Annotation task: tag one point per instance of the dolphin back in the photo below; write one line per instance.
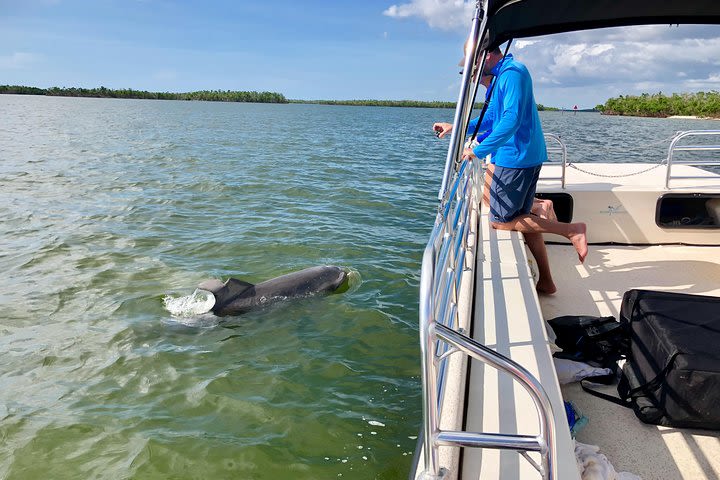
(322, 279)
(236, 296)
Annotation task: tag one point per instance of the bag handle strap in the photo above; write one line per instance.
(655, 381)
(626, 401)
(610, 398)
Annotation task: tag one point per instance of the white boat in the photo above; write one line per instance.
(493, 407)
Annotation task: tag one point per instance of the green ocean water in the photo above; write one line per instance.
(110, 206)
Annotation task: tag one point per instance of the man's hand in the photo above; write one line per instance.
(441, 129)
(468, 154)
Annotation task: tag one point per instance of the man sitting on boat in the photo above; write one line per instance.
(518, 148)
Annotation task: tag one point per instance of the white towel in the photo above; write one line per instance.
(569, 371)
(593, 465)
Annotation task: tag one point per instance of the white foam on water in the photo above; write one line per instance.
(354, 279)
(198, 303)
(192, 310)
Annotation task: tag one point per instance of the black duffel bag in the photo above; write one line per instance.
(672, 374)
(597, 341)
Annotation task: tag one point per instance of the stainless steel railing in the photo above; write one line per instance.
(466, 96)
(676, 147)
(555, 146)
(444, 269)
(444, 263)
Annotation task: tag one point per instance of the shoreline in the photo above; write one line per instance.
(692, 117)
(686, 106)
(228, 96)
(674, 117)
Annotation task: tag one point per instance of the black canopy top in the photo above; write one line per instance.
(528, 18)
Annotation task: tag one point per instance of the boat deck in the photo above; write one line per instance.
(508, 319)
(596, 288)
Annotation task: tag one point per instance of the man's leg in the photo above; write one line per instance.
(536, 245)
(575, 232)
(489, 171)
(543, 207)
(511, 201)
(534, 241)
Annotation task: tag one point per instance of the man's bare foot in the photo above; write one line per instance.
(545, 287)
(579, 240)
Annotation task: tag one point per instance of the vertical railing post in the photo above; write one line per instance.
(427, 349)
(558, 144)
(564, 163)
(671, 151)
(462, 110)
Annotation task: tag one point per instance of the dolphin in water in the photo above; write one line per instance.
(234, 296)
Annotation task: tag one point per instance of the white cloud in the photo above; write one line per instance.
(441, 14)
(648, 86)
(711, 82)
(589, 67)
(520, 44)
(17, 60)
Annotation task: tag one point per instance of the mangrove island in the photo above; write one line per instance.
(701, 104)
(102, 92)
(219, 96)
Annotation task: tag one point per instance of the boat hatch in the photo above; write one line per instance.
(688, 210)
(562, 204)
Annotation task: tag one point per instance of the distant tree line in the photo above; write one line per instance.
(219, 96)
(701, 104)
(380, 103)
(543, 108)
(396, 103)
(102, 92)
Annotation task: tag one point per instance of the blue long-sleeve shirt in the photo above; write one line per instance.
(516, 140)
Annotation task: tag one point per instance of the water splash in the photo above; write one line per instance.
(198, 303)
(352, 282)
(191, 310)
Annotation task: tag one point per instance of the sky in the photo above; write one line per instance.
(331, 49)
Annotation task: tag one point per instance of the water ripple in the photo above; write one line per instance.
(109, 206)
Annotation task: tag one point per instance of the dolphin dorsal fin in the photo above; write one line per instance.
(213, 285)
(236, 287)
